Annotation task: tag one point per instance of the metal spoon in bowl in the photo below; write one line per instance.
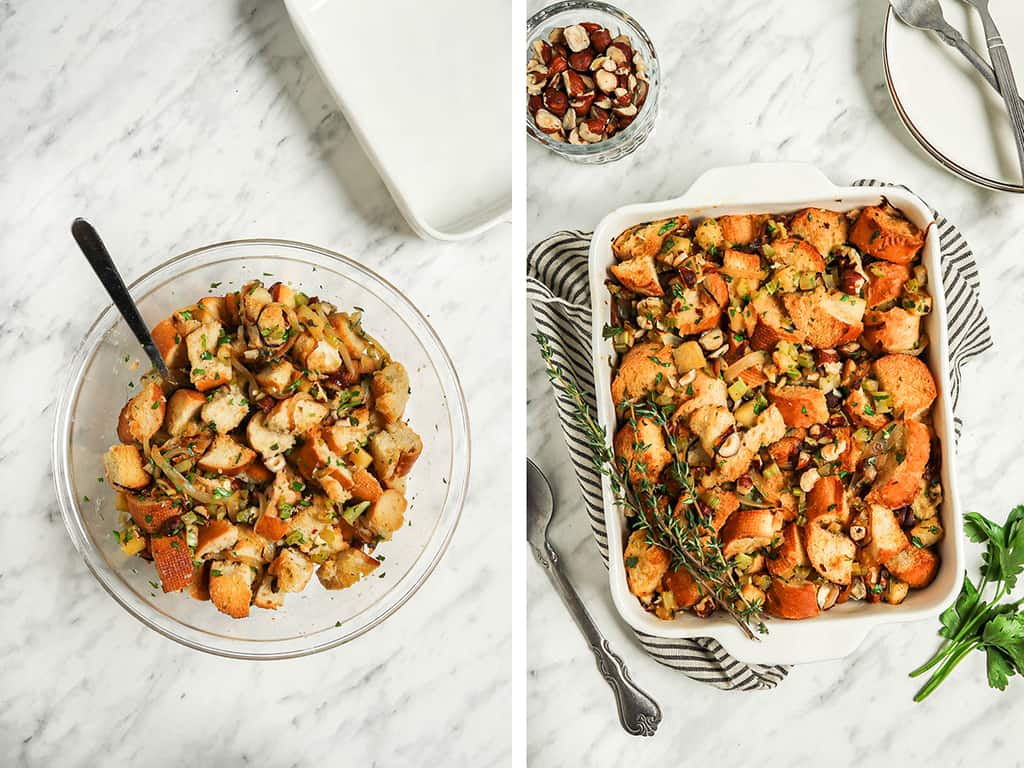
(638, 712)
(96, 254)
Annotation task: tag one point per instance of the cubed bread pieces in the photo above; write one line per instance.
(885, 282)
(915, 566)
(170, 343)
(231, 587)
(741, 229)
(250, 548)
(827, 502)
(685, 591)
(796, 599)
(268, 596)
(390, 388)
(800, 406)
(822, 229)
(142, 416)
(831, 553)
(646, 565)
(790, 552)
(214, 537)
(720, 502)
(183, 409)
(900, 469)
(740, 264)
(125, 468)
(885, 233)
(825, 320)
(385, 515)
(292, 569)
(860, 408)
(710, 424)
(226, 408)
(274, 378)
(345, 568)
(639, 275)
(394, 450)
(887, 538)
(297, 415)
(909, 383)
(268, 442)
(642, 367)
(893, 331)
(645, 240)
(749, 529)
(173, 561)
(226, 456)
(926, 532)
(771, 325)
(150, 513)
(642, 450)
(349, 432)
(365, 486)
(694, 310)
(799, 254)
(210, 360)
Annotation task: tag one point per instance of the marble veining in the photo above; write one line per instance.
(752, 81)
(173, 125)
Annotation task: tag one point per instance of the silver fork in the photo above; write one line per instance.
(638, 712)
(1004, 75)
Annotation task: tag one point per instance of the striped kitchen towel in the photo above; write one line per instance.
(558, 290)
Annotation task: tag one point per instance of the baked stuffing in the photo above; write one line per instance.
(770, 392)
(287, 455)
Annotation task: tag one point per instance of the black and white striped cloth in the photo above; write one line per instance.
(558, 290)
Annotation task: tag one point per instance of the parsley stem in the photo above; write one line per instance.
(944, 671)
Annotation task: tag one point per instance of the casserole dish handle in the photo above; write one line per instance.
(770, 181)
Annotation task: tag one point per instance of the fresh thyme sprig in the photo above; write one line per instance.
(687, 541)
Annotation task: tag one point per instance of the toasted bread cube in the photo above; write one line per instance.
(800, 406)
(645, 239)
(210, 360)
(901, 469)
(151, 513)
(313, 455)
(640, 370)
(170, 343)
(885, 233)
(638, 275)
(283, 294)
(749, 530)
(199, 589)
(349, 432)
(642, 450)
(770, 324)
(253, 298)
(298, 414)
(896, 591)
(825, 320)
(702, 391)
(226, 457)
(885, 282)
(770, 427)
(927, 532)
(827, 503)
(390, 388)
(142, 416)
(795, 599)
(292, 569)
(267, 595)
(271, 527)
(273, 325)
(394, 451)
(646, 565)
(173, 561)
(860, 407)
(345, 568)
(741, 229)
(275, 378)
(710, 424)
(385, 515)
(740, 264)
(216, 307)
(914, 565)
(125, 467)
(798, 254)
(183, 410)
(684, 589)
(251, 548)
(822, 229)
(323, 358)
(226, 409)
(215, 537)
(709, 235)
(909, 382)
(887, 538)
(268, 442)
(231, 587)
(831, 553)
(790, 552)
(694, 311)
(892, 331)
(721, 502)
(365, 486)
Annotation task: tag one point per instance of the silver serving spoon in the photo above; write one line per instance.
(638, 712)
(96, 254)
(927, 15)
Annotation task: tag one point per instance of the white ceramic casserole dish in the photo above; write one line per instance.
(782, 188)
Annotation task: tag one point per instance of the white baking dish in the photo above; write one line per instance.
(782, 188)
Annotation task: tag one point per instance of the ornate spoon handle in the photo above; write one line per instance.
(638, 712)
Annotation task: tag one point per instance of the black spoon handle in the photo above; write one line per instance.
(96, 254)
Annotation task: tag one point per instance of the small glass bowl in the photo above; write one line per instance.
(617, 22)
(316, 619)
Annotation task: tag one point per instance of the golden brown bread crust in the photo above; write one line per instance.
(639, 275)
(182, 413)
(825, 320)
(901, 469)
(770, 325)
(789, 554)
(885, 282)
(646, 565)
(684, 589)
(740, 264)
(885, 233)
(346, 568)
(831, 553)
(216, 536)
(827, 503)
(887, 538)
(125, 467)
(821, 228)
(795, 599)
(151, 513)
(800, 406)
(170, 343)
(390, 387)
(915, 566)
(231, 587)
(909, 383)
(173, 561)
(645, 240)
(741, 229)
(749, 529)
(643, 450)
(227, 456)
(798, 254)
(860, 408)
(639, 371)
(893, 331)
(142, 416)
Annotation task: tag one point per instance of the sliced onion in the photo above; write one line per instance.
(749, 360)
(182, 483)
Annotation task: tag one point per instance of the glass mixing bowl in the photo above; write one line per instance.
(315, 619)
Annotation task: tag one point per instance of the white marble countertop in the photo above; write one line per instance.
(173, 125)
(751, 81)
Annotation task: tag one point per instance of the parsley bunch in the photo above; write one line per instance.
(972, 623)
